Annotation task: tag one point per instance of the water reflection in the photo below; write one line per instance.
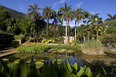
(71, 60)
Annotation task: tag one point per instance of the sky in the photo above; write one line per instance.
(103, 7)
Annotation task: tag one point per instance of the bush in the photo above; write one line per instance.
(75, 48)
(74, 42)
(19, 37)
(33, 48)
(14, 43)
(92, 47)
(108, 40)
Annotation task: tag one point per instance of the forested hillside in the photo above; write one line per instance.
(13, 13)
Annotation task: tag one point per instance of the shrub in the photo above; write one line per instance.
(19, 37)
(108, 40)
(33, 48)
(74, 42)
(14, 43)
(75, 48)
(92, 47)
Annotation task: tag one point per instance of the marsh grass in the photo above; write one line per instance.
(92, 47)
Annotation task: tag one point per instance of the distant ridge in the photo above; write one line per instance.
(14, 13)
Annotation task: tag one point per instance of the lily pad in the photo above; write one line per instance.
(70, 51)
(28, 61)
(58, 60)
(5, 59)
(11, 64)
(62, 50)
(39, 64)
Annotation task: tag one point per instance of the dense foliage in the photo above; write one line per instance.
(33, 48)
(22, 69)
(13, 13)
(44, 48)
(34, 25)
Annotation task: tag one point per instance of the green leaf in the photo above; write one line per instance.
(80, 72)
(68, 66)
(73, 75)
(75, 66)
(6, 68)
(22, 69)
(88, 72)
(98, 75)
(104, 71)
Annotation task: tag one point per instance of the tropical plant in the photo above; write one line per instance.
(34, 15)
(111, 17)
(22, 69)
(47, 13)
(92, 47)
(66, 11)
(33, 48)
(79, 15)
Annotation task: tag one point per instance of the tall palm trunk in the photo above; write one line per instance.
(68, 30)
(75, 30)
(97, 35)
(78, 29)
(66, 33)
(88, 35)
(54, 32)
(47, 27)
(37, 33)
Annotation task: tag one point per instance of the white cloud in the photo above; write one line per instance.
(79, 4)
(59, 2)
(92, 12)
(95, 12)
(21, 7)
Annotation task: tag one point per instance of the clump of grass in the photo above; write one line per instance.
(92, 47)
(33, 48)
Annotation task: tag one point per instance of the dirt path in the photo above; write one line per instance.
(7, 52)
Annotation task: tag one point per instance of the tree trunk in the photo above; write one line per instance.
(37, 33)
(34, 33)
(68, 30)
(54, 32)
(88, 35)
(66, 33)
(97, 35)
(84, 38)
(75, 30)
(78, 29)
(47, 27)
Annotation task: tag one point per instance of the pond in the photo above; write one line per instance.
(94, 62)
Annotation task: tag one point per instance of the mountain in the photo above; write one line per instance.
(14, 13)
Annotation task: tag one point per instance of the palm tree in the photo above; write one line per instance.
(74, 16)
(55, 22)
(34, 15)
(79, 14)
(93, 21)
(87, 16)
(111, 17)
(66, 11)
(47, 13)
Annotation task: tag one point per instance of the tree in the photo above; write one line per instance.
(66, 10)
(34, 15)
(47, 13)
(111, 17)
(4, 15)
(79, 14)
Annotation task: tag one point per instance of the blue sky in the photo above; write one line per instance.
(93, 6)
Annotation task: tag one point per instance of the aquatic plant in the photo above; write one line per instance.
(22, 69)
(92, 47)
